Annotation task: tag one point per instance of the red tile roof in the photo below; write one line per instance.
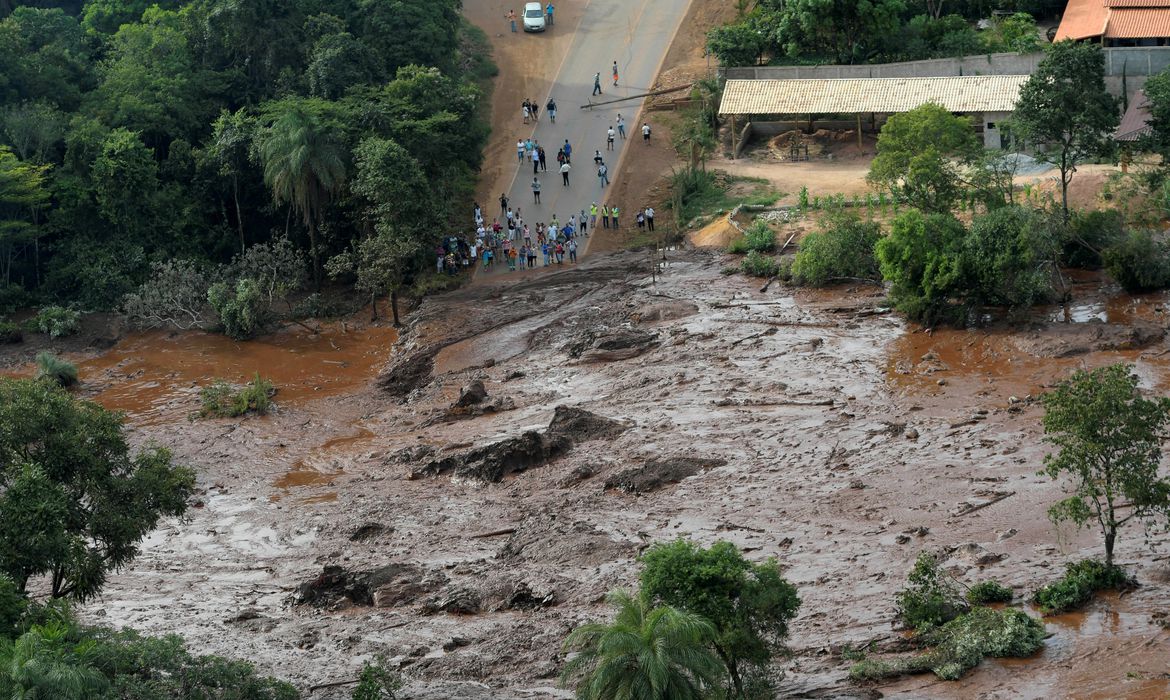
(1115, 19)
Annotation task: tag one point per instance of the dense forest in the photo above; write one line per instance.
(143, 141)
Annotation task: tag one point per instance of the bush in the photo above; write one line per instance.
(959, 645)
(1089, 234)
(986, 592)
(240, 309)
(844, 247)
(931, 599)
(12, 297)
(10, 333)
(54, 369)
(1006, 255)
(175, 295)
(760, 237)
(57, 321)
(222, 400)
(1138, 262)
(377, 682)
(1080, 581)
(758, 265)
(923, 260)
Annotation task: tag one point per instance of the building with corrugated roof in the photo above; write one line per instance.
(1117, 23)
(989, 99)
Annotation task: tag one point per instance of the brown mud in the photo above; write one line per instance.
(809, 426)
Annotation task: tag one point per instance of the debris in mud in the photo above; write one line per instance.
(665, 311)
(491, 463)
(409, 372)
(458, 601)
(550, 541)
(474, 393)
(621, 344)
(1072, 339)
(388, 586)
(972, 554)
(521, 596)
(656, 473)
(473, 401)
(369, 530)
(578, 475)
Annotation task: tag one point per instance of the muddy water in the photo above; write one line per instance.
(155, 376)
(319, 468)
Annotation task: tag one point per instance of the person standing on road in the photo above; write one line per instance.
(540, 159)
(640, 219)
(650, 218)
(609, 139)
(565, 174)
(603, 174)
(597, 83)
(597, 159)
(605, 216)
(568, 152)
(551, 108)
(593, 215)
(615, 74)
(536, 191)
(504, 197)
(572, 251)
(520, 150)
(621, 125)
(613, 214)
(511, 17)
(548, 10)
(584, 224)
(535, 110)
(646, 133)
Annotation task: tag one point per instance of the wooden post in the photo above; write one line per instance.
(859, 131)
(734, 150)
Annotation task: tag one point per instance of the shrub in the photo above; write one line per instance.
(1080, 581)
(986, 592)
(1138, 262)
(923, 260)
(240, 308)
(175, 295)
(12, 297)
(760, 237)
(844, 247)
(1006, 255)
(961, 644)
(10, 333)
(1088, 234)
(54, 369)
(931, 599)
(57, 321)
(376, 682)
(222, 400)
(758, 265)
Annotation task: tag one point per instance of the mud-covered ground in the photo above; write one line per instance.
(463, 534)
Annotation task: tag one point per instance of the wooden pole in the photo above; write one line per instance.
(859, 131)
(734, 150)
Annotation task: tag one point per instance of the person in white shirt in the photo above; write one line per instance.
(565, 174)
(646, 133)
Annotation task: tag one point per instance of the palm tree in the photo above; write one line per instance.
(303, 167)
(45, 663)
(644, 654)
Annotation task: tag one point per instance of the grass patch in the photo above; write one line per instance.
(223, 400)
(697, 192)
(986, 592)
(54, 369)
(1080, 581)
(757, 237)
(435, 283)
(959, 645)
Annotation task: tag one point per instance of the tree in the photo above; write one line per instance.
(1157, 89)
(749, 604)
(125, 174)
(923, 157)
(739, 44)
(841, 250)
(644, 654)
(922, 258)
(45, 663)
(228, 149)
(847, 30)
(1065, 111)
(1109, 443)
(74, 503)
(303, 166)
(1009, 258)
(22, 191)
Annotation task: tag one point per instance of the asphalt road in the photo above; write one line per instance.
(636, 34)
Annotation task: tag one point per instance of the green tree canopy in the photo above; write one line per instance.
(1064, 110)
(749, 604)
(1108, 439)
(922, 258)
(644, 654)
(924, 155)
(74, 502)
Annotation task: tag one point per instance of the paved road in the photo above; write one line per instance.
(636, 34)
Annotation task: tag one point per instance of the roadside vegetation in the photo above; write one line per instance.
(210, 182)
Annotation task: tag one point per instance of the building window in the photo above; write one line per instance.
(990, 125)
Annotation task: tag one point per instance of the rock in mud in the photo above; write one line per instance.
(367, 531)
(409, 372)
(974, 554)
(474, 393)
(458, 601)
(656, 473)
(665, 311)
(1072, 339)
(387, 586)
(619, 344)
(491, 463)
